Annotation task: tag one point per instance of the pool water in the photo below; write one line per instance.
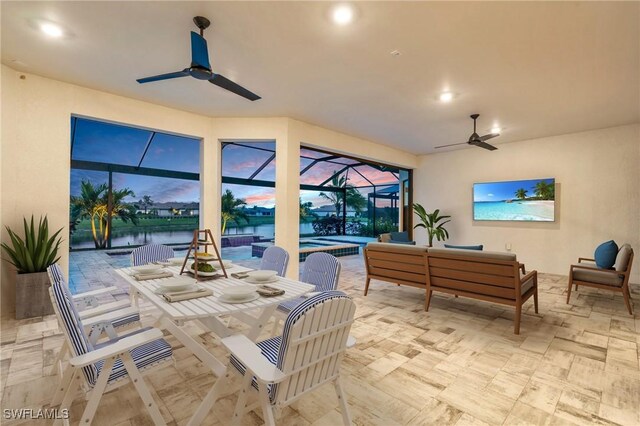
(310, 245)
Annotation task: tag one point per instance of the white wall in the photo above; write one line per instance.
(35, 154)
(597, 195)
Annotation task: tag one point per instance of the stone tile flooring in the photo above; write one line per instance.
(458, 364)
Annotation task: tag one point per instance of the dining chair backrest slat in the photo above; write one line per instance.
(275, 259)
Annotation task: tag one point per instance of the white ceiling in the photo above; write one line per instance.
(536, 68)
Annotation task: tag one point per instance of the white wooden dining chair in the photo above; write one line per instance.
(96, 370)
(306, 356)
(320, 269)
(151, 253)
(276, 259)
(99, 319)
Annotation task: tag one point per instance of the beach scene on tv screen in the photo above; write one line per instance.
(524, 200)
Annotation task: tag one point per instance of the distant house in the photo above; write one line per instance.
(260, 211)
(330, 210)
(172, 209)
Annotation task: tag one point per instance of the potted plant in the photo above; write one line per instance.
(31, 257)
(432, 222)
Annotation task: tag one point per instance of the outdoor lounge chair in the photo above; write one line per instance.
(100, 369)
(275, 259)
(321, 270)
(98, 319)
(586, 273)
(306, 356)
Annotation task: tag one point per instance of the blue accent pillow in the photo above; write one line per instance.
(605, 254)
(400, 236)
(478, 247)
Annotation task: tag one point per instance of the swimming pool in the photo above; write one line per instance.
(312, 246)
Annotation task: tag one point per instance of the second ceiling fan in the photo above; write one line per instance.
(475, 139)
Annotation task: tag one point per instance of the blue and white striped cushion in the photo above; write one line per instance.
(143, 356)
(70, 320)
(274, 349)
(151, 253)
(288, 306)
(321, 270)
(269, 349)
(126, 320)
(275, 259)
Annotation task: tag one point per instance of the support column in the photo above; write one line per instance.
(210, 185)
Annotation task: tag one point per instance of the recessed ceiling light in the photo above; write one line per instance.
(342, 14)
(446, 97)
(52, 30)
(496, 129)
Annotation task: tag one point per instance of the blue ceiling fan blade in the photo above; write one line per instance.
(225, 83)
(199, 52)
(177, 74)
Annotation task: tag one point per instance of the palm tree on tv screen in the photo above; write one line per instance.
(232, 209)
(92, 204)
(544, 190)
(521, 194)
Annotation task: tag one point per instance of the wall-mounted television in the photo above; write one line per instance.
(531, 200)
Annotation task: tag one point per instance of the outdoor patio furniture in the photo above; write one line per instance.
(98, 319)
(97, 370)
(586, 273)
(396, 238)
(306, 356)
(483, 275)
(320, 269)
(208, 312)
(151, 253)
(275, 259)
(395, 263)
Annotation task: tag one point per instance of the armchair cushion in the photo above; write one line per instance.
(596, 276)
(605, 254)
(622, 259)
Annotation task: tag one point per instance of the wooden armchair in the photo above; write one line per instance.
(586, 273)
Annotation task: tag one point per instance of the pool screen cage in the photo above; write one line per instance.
(371, 190)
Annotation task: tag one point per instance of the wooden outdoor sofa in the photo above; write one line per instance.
(490, 276)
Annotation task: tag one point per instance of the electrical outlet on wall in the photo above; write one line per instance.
(507, 246)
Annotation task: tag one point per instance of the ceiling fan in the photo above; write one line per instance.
(201, 68)
(475, 139)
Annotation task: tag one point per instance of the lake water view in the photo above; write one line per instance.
(82, 239)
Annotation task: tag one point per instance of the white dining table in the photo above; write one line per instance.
(207, 311)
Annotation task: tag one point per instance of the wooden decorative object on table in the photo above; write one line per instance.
(196, 244)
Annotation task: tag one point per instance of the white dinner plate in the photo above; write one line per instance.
(224, 299)
(146, 269)
(251, 280)
(163, 290)
(176, 283)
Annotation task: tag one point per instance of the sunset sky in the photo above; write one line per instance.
(102, 142)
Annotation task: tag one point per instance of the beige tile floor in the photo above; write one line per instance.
(458, 364)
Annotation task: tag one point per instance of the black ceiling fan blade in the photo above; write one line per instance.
(484, 145)
(199, 52)
(489, 136)
(451, 144)
(168, 76)
(225, 83)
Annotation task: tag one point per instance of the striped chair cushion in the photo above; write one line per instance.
(126, 320)
(143, 356)
(274, 350)
(151, 253)
(321, 270)
(275, 259)
(269, 349)
(288, 306)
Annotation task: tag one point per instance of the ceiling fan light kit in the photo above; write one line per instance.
(475, 139)
(200, 66)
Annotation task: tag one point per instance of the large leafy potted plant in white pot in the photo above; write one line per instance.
(32, 256)
(433, 223)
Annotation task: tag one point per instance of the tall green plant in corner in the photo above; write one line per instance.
(432, 222)
(37, 251)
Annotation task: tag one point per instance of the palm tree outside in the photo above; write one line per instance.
(232, 209)
(93, 204)
(145, 202)
(354, 198)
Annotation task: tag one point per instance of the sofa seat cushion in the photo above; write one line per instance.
(596, 276)
(526, 286)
